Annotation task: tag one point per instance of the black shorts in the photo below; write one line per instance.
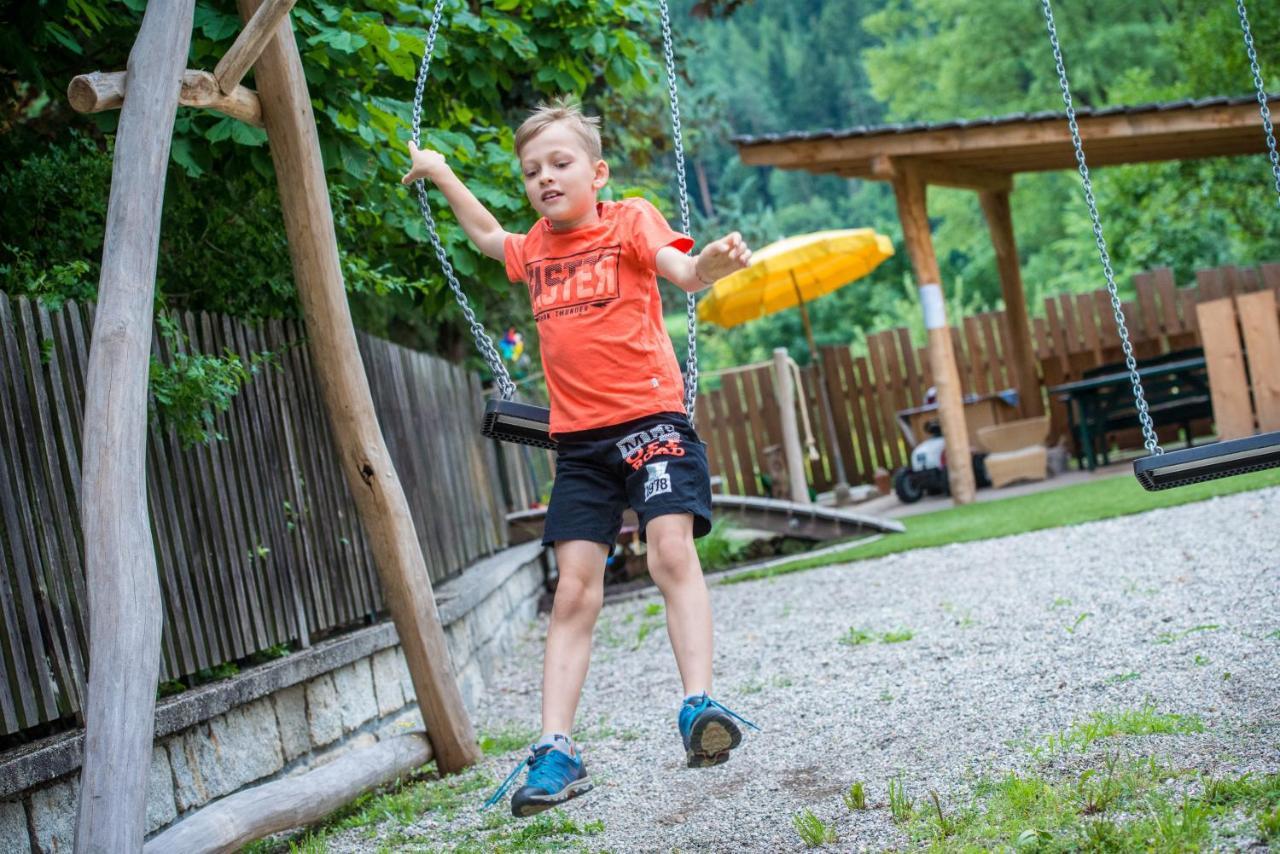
(657, 464)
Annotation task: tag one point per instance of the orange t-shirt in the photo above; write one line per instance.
(605, 350)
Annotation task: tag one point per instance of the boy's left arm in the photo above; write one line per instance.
(698, 272)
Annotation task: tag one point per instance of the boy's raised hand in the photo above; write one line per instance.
(425, 164)
(722, 257)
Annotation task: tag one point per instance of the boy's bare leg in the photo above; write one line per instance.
(579, 595)
(674, 567)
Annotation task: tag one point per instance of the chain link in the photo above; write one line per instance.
(1262, 94)
(483, 342)
(673, 94)
(1148, 429)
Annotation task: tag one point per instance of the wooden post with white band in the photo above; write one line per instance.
(910, 192)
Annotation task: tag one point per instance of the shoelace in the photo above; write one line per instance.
(707, 701)
(506, 784)
(539, 772)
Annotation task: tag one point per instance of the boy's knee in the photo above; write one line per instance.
(573, 596)
(671, 555)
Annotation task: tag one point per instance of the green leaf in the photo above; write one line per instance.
(182, 153)
(214, 24)
(247, 134)
(340, 40)
(221, 130)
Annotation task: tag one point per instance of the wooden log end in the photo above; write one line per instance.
(96, 91)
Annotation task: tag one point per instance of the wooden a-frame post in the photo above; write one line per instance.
(124, 595)
(380, 499)
(120, 560)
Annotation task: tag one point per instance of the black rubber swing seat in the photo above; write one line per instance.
(522, 423)
(1208, 462)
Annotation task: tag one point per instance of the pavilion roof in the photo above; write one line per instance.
(978, 152)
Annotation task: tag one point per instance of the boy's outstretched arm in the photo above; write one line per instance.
(695, 273)
(480, 225)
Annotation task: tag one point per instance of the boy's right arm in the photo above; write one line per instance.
(480, 225)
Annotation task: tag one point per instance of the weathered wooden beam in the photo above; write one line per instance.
(1042, 144)
(363, 456)
(120, 560)
(909, 190)
(252, 814)
(246, 49)
(105, 90)
(1022, 355)
(200, 89)
(885, 168)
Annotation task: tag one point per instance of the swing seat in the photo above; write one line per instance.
(522, 423)
(1208, 462)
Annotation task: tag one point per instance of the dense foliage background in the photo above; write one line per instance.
(748, 67)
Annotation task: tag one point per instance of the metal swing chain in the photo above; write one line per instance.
(483, 342)
(691, 371)
(1148, 429)
(1262, 94)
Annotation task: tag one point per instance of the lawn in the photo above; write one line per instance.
(1071, 505)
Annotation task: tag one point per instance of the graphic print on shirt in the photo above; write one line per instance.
(559, 287)
(659, 440)
(658, 480)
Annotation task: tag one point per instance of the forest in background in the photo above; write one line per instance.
(802, 65)
(748, 67)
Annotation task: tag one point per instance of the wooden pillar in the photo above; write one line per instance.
(1022, 355)
(125, 618)
(785, 391)
(910, 192)
(380, 500)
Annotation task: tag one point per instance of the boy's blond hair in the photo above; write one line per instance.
(563, 109)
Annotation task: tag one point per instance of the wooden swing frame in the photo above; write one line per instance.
(124, 595)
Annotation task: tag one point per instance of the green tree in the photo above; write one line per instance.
(223, 246)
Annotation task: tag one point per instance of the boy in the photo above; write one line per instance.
(617, 412)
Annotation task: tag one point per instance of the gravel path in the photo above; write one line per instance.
(1013, 640)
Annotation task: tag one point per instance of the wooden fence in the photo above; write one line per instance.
(1077, 332)
(1242, 354)
(257, 538)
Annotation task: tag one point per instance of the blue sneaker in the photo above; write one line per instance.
(555, 777)
(709, 731)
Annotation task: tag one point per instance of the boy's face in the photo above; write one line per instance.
(560, 177)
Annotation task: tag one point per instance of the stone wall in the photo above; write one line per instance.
(283, 718)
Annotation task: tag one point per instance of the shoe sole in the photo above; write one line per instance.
(712, 738)
(537, 804)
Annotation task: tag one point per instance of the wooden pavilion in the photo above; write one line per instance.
(983, 155)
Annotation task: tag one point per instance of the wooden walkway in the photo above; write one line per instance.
(787, 518)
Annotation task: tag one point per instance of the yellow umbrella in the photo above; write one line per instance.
(790, 273)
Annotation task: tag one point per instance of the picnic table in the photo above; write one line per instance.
(1176, 390)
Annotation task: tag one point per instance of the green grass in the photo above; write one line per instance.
(1145, 720)
(812, 830)
(718, 549)
(505, 741)
(1174, 637)
(1071, 629)
(1130, 805)
(389, 817)
(901, 806)
(856, 637)
(1122, 677)
(1070, 505)
(856, 797)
